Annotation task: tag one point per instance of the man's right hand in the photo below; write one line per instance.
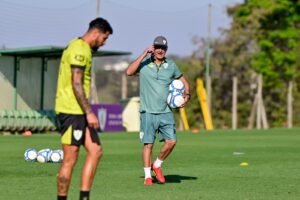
(149, 50)
(132, 68)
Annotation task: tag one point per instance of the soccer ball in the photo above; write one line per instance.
(43, 155)
(176, 86)
(56, 156)
(30, 154)
(175, 100)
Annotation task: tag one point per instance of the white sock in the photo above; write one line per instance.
(158, 163)
(147, 171)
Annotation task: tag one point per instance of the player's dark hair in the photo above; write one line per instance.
(101, 24)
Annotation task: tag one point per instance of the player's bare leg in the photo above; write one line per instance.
(147, 154)
(164, 153)
(166, 149)
(66, 169)
(94, 153)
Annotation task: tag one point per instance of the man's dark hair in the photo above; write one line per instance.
(101, 24)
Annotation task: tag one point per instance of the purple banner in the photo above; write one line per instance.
(109, 116)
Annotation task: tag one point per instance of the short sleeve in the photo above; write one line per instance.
(78, 56)
(177, 72)
(144, 63)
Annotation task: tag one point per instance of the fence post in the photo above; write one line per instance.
(234, 102)
(290, 105)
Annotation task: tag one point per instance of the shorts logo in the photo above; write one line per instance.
(141, 135)
(102, 112)
(77, 134)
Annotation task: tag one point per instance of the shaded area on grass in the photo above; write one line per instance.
(174, 178)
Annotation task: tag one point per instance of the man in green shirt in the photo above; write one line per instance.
(156, 73)
(78, 124)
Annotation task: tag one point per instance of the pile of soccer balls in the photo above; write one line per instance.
(44, 155)
(175, 98)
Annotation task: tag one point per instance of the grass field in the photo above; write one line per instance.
(204, 165)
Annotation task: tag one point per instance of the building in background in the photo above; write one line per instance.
(28, 78)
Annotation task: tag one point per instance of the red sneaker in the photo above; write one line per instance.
(159, 175)
(148, 181)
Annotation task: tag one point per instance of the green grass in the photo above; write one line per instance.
(202, 166)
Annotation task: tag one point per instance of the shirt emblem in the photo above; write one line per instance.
(79, 58)
(165, 65)
(151, 65)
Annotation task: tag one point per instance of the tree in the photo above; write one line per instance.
(277, 36)
(262, 39)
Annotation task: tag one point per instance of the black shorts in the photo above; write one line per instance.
(72, 129)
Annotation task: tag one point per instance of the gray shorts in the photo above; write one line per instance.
(163, 124)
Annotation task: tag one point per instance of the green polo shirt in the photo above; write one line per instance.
(154, 84)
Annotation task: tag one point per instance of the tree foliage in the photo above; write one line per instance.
(264, 38)
(276, 36)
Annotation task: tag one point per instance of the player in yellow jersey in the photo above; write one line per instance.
(78, 123)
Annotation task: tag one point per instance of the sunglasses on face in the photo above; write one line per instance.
(160, 47)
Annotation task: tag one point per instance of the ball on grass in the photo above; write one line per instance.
(30, 154)
(43, 155)
(56, 156)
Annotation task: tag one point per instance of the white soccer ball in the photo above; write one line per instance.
(175, 100)
(30, 154)
(176, 86)
(43, 155)
(56, 156)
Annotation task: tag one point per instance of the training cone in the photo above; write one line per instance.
(27, 133)
(244, 164)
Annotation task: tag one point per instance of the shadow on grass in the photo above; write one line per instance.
(172, 178)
